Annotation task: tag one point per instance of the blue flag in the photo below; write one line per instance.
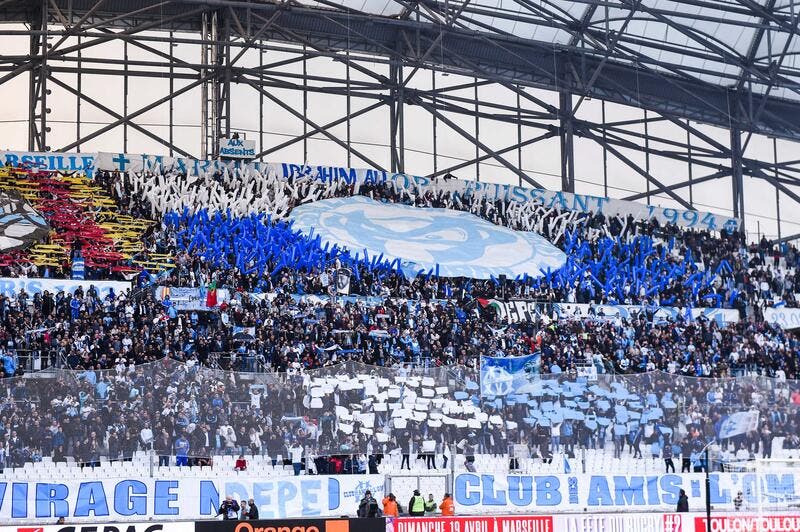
(738, 423)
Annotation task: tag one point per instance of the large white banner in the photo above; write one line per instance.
(359, 176)
(786, 318)
(722, 316)
(516, 310)
(10, 286)
(497, 493)
(145, 499)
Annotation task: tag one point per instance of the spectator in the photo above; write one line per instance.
(737, 501)
(390, 506)
(241, 464)
(296, 454)
(229, 509)
(683, 502)
(243, 510)
(447, 507)
(182, 451)
(162, 447)
(667, 454)
(252, 510)
(368, 507)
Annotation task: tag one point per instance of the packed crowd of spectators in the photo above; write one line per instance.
(89, 331)
(122, 399)
(188, 414)
(441, 325)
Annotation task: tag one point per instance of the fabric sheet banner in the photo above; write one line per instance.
(503, 376)
(578, 310)
(189, 298)
(738, 423)
(494, 493)
(183, 498)
(786, 318)
(516, 310)
(446, 242)
(9, 286)
(359, 176)
(519, 310)
(63, 162)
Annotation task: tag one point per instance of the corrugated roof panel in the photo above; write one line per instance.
(510, 17)
(707, 40)
(383, 8)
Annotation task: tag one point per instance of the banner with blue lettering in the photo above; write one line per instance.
(497, 493)
(502, 376)
(786, 318)
(10, 286)
(182, 498)
(63, 162)
(359, 176)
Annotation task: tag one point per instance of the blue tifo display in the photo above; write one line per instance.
(451, 243)
(384, 239)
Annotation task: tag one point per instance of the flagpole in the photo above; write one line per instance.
(708, 490)
(708, 484)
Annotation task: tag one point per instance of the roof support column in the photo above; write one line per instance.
(37, 85)
(223, 126)
(567, 143)
(737, 172)
(396, 121)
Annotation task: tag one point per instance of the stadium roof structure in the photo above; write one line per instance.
(733, 64)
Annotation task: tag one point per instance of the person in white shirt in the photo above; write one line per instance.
(296, 454)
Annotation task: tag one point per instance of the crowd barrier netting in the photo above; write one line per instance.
(351, 408)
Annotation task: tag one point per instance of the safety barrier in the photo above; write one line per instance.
(652, 522)
(185, 498)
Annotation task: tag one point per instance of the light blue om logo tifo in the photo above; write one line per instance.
(460, 243)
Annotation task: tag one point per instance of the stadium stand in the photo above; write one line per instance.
(388, 377)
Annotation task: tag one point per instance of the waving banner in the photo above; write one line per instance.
(502, 376)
